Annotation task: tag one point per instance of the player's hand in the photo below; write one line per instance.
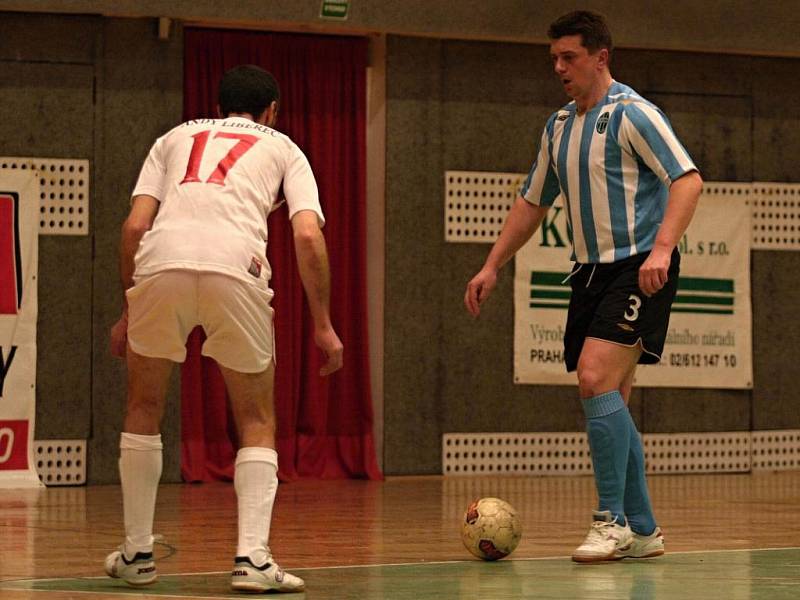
(326, 340)
(478, 289)
(119, 336)
(653, 272)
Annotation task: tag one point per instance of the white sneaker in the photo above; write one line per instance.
(605, 539)
(139, 570)
(246, 577)
(644, 546)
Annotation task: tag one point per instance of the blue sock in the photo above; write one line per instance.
(637, 501)
(608, 428)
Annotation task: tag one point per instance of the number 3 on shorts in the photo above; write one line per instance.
(633, 310)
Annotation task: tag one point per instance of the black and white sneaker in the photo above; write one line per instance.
(139, 570)
(246, 577)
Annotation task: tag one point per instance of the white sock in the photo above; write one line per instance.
(256, 481)
(139, 471)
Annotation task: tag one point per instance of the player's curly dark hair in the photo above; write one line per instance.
(590, 25)
(247, 89)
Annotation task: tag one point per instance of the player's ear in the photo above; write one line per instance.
(602, 57)
(272, 113)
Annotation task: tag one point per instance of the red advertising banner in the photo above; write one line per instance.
(13, 445)
(19, 262)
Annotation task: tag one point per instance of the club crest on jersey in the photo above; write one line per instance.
(602, 123)
(255, 267)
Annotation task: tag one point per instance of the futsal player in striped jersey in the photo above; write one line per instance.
(630, 190)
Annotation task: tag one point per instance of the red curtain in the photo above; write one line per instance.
(324, 424)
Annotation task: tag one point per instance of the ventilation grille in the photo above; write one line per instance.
(476, 204)
(776, 216)
(515, 453)
(777, 450)
(568, 453)
(725, 452)
(63, 192)
(60, 462)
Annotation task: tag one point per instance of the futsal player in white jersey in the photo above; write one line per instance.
(630, 190)
(193, 252)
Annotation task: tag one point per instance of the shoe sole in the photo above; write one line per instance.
(140, 583)
(653, 554)
(257, 588)
(134, 582)
(608, 557)
(593, 559)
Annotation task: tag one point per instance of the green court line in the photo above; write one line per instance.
(722, 575)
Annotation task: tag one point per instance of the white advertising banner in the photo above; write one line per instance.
(709, 341)
(19, 237)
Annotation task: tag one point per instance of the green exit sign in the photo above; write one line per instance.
(334, 9)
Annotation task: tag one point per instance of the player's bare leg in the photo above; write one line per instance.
(256, 482)
(140, 467)
(626, 386)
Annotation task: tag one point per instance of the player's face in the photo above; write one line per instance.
(578, 70)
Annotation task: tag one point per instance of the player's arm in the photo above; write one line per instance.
(140, 219)
(684, 193)
(647, 132)
(312, 262)
(521, 223)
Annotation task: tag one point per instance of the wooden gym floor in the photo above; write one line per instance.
(728, 537)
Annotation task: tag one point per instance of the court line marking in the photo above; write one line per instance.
(129, 591)
(366, 566)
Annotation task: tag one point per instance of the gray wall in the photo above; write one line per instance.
(103, 88)
(481, 106)
(99, 89)
(737, 27)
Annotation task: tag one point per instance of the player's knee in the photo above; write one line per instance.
(591, 379)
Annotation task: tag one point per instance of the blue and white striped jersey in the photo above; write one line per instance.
(613, 165)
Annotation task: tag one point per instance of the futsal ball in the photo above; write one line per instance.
(491, 528)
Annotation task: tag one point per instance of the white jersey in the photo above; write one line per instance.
(217, 180)
(613, 165)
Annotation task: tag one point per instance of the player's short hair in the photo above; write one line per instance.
(247, 89)
(590, 25)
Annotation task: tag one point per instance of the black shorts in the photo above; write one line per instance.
(606, 303)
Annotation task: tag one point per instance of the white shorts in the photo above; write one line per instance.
(164, 308)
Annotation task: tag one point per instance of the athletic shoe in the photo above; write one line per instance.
(139, 570)
(606, 538)
(246, 577)
(644, 546)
